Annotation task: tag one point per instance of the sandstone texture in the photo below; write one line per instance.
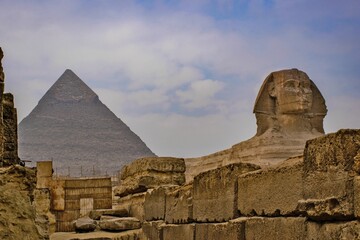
(271, 192)
(329, 169)
(96, 214)
(17, 212)
(8, 124)
(119, 224)
(84, 224)
(179, 204)
(215, 192)
(146, 173)
(74, 128)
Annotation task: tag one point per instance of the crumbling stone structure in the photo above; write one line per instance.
(8, 124)
(314, 196)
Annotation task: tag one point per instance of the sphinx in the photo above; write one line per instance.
(289, 110)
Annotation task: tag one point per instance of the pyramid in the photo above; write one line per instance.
(72, 127)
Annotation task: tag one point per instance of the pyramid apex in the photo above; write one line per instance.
(69, 88)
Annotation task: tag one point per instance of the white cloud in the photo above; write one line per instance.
(144, 61)
(200, 94)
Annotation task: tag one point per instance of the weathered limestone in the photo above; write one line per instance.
(120, 224)
(333, 231)
(179, 206)
(153, 230)
(146, 173)
(44, 174)
(98, 213)
(357, 197)
(330, 163)
(155, 203)
(214, 231)
(272, 192)
(289, 228)
(134, 204)
(84, 224)
(215, 192)
(45, 220)
(8, 124)
(182, 231)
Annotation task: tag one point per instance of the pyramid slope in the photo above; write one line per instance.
(71, 126)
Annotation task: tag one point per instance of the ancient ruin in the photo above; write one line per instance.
(8, 124)
(313, 193)
(72, 127)
(289, 110)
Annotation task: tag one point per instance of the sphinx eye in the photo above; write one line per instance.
(290, 84)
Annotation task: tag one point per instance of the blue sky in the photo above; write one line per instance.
(184, 75)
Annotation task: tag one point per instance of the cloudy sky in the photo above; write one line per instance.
(184, 75)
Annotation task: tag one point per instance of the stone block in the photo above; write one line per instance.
(333, 230)
(216, 231)
(179, 207)
(146, 173)
(120, 212)
(272, 192)
(157, 164)
(154, 205)
(182, 231)
(57, 192)
(120, 224)
(43, 174)
(336, 150)
(84, 224)
(330, 164)
(285, 228)
(153, 230)
(215, 192)
(134, 204)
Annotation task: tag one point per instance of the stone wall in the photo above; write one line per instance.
(8, 124)
(60, 201)
(314, 196)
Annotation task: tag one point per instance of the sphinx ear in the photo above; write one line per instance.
(271, 89)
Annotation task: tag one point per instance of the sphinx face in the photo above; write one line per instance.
(293, 96)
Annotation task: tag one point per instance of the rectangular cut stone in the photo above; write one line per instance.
(271, 192)
(57, 192)
(146, 173)
(154, 205)
(179, 207)
(134, 204)
(333, 231)
(182, 231)
(153, 230)
(340, 150)
(330, 162)
(217, 231)
(43, 174)
(158, 164)
(284, 228)
(215, 192)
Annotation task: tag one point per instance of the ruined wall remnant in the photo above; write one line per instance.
(315, 196)
(8, 124)
(289, 110)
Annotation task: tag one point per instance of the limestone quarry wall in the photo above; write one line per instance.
(314, 196)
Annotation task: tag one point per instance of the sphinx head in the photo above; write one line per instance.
(288, 100)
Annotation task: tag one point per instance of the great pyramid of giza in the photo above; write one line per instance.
(72, 127)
